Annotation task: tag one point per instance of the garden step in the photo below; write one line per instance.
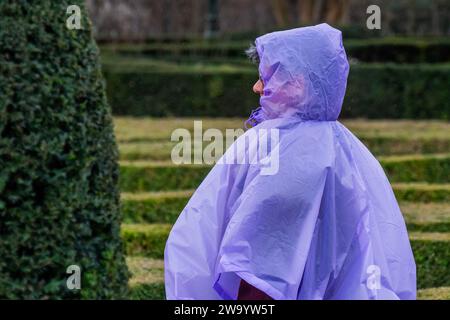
(163, 176)
(164, 207)
(147, 281)
(160, 150)
(148, 129)
(145, 270)
(439, 293)
(422, 192)
(431, 250)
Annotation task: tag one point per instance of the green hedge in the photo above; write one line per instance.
(166, 208)
(59, 196)
(398, 146)
(429, 227)
(156, 291)
(396, 50)
(433, 262)
(394, 91)
(161, 150)
(148, 291)
(431, 252)
(433, 169)
(138, 87)
(180, 94)
(424, 193)
(161, 210)
(161, 178)
(406, 51)
(148, 177)
(145, 240)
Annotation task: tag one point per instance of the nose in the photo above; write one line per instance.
(258, 87)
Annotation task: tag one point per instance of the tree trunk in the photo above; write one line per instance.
(281, 12)
(305, 11)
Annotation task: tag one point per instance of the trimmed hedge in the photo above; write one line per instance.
(152, 287)
(429, 227)
(422, 192)
(161, 178)
(433, 169)
(148, 291)
(432, 253)
(161, 210)
(59, 196)
(156, 291)
(180, 94)
(433, 262)
(147, 176)
(394, 91)
(145, 240)
(397, 146)
(399, 51)
(160, 150)
(396, 50)
(166, 209)
(374, 91)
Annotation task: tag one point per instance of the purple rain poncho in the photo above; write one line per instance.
(325, 226)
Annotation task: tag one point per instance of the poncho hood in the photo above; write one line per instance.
(304, 71)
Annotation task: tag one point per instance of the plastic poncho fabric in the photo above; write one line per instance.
(326, 225)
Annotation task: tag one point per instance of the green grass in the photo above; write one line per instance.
(147, 278)
(164, 207)
(440, 293)
(155, 291)
(135, 129)
(431, 250)
(146, 176)
(422, 192)
(413, 153)
(149, 139)
(161, 150)
(145, 270)
(147, 281)
(426, 217)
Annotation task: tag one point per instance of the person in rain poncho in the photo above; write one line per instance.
(325, 225)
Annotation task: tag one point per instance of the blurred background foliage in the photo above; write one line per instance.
(143, 20)
(186, 57)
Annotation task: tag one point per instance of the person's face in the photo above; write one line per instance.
(258, 87)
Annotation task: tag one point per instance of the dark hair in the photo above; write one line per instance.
(252, 54)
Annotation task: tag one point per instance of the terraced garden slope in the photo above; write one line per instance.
(414, 154)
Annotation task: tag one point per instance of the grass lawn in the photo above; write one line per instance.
(415, 154)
